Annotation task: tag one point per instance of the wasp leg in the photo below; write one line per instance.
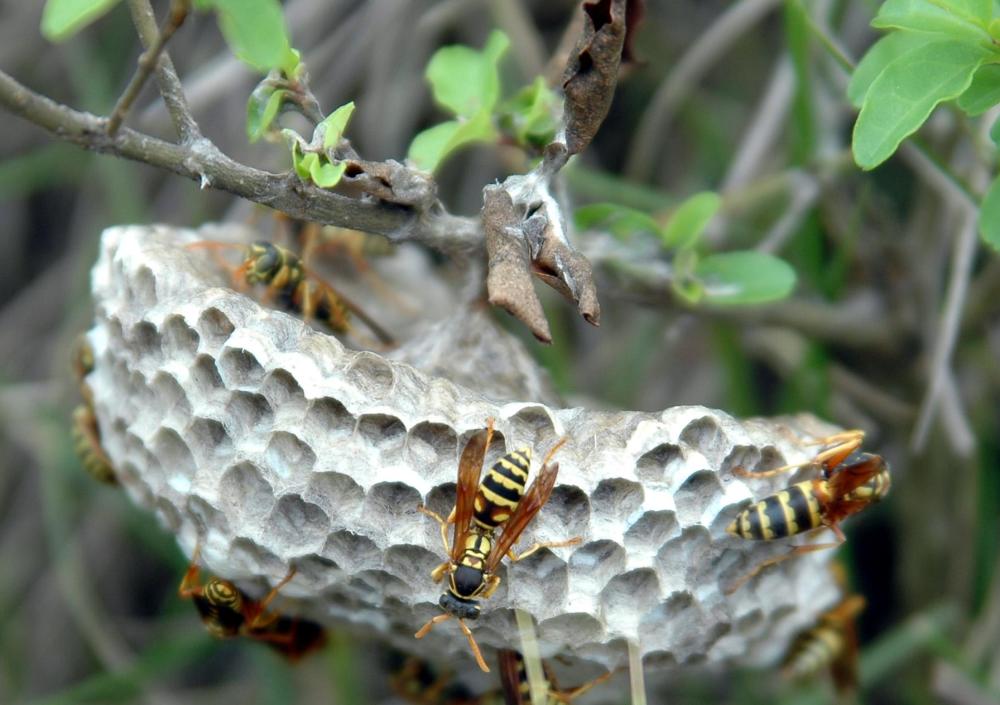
(552, 451)
(514, 557)
(259, 621)
(422, 632)
(444, 525)
(565, 696)
(492, 583)
(841, 445)
(437, 575)
(475, 647)
(796, 551)
(741, 471)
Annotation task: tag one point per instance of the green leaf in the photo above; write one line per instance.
(880, 55)
(467, 81)
(683, 282)
(989, 216)
(995, 132)
(255, 32)
(530, 115)
(262, 108)
(984, 91)
(430, 147)
(905, 93)
(326, 174)
(61, 19)
(689, 220)
(745, 277)
(334, 124)
(621, 221)
(964, 19)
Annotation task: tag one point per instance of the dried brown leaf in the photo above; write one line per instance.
(592, 72)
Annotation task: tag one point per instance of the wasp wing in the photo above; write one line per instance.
(470, 467)
(381, 333)
(851, 477)
(511, 671)
(534, 499)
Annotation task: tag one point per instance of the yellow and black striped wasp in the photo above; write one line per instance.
(83, 427)
(831, 643)
(517, 690)
(293, 287)
(850, 481)
(228, 612)
(499, 501)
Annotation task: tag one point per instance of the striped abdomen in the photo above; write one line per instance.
(87, 444)
(791, 511)
(814, 650)
(221, 608)
(874, 490)
(501, 489)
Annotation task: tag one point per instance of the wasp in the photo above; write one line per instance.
(499, 501)
(831, 643)
(517, 690)
(850, 481)
(227, 612)
(295, 289)
(417, 682)
(85, 432)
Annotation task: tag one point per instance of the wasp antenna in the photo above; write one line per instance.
(552, 451)
(475, 647)
(430, 625)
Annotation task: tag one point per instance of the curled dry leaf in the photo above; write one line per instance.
(592, 72)
(509, 278)
(392, 182)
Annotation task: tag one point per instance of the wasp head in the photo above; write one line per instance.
(263, 262)
(459, 606)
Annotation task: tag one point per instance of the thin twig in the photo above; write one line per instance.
(166, 77)
(947, 330)
(710, 47)
(204, 162)
(178, 12)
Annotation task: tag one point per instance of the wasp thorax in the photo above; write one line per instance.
(466, 580)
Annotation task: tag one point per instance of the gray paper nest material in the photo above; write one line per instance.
(277, 445)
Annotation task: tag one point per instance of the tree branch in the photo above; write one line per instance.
(178, 12)
(166, 77)
(202, 161)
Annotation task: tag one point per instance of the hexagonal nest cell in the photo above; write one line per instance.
(272, 444)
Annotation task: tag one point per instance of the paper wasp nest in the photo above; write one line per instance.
(276, 445)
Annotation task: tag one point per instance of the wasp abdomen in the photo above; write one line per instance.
(502, 489)
(789, 512)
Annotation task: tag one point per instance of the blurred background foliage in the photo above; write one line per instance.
(745, 98)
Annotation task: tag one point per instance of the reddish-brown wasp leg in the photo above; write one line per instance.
(258, 621)
(797, 551)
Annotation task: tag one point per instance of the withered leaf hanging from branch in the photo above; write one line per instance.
(509, 279)
(592, 71)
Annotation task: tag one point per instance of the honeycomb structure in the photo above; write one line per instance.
(272, 444)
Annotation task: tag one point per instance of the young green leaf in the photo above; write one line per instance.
(961, 19)
(326, 174)
(684, 283)
(984, 91)
(744, 278)
(622, 222)
(905, 93)
(61, 19)
(255, 32)
(989, 216)
(880, 55)
(430, 147)
(530, 114)
(689, 220)
(334, 124)
(467, 81)
(262, 108)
